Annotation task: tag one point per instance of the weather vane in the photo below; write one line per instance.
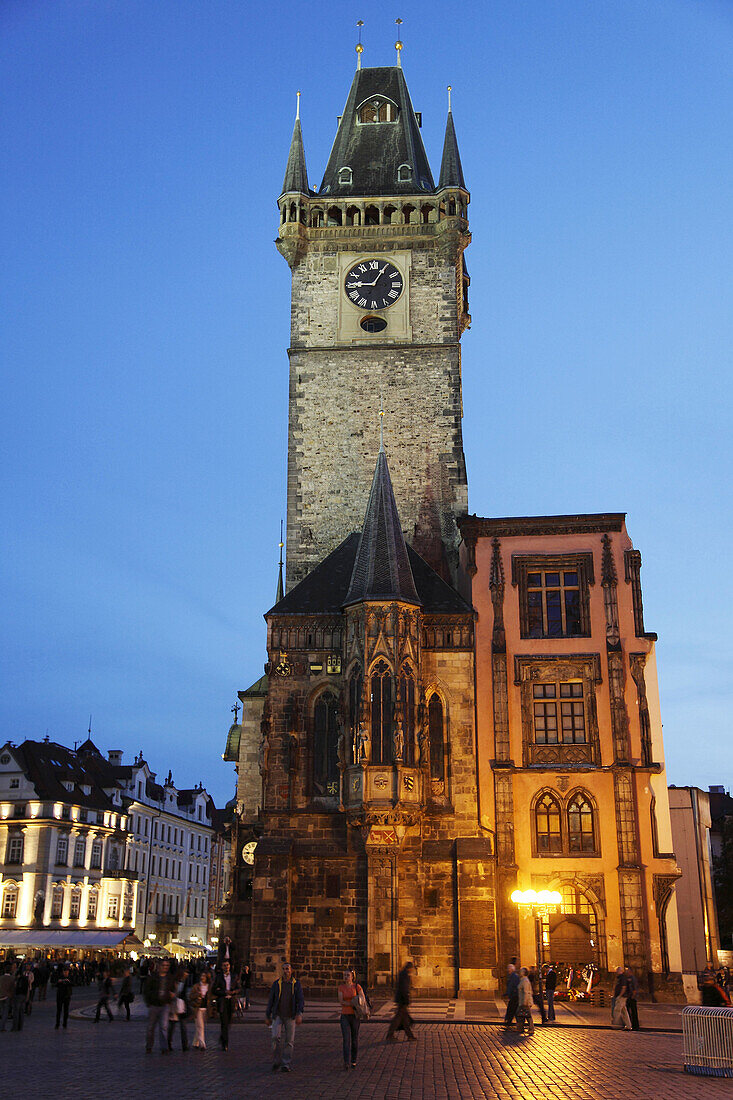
(235, 712)
(359, 47)
(398, 44)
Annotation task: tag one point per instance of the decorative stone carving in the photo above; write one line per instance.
(283, 667)
(496, 588)
(662, 888)
(398, 741)
(636, 665)
(609, 581)
(363, 744)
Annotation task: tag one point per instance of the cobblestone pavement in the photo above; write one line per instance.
(450, 1060)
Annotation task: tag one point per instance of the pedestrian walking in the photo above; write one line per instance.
(179, 1009)
(7, 994)
(285, 1007)
(225, 992)
(246, 985)
(550, 987)
(619, 1014)
(352, 1000)
(402, 1020)
(525, 1000)
(104, 985)
(198, 1000)
(22, 988)
(535, 979)
(632, 987)
(158, 994)
(63, 996)
(513, 978)
(125, 997)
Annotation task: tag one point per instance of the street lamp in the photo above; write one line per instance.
(538, 904)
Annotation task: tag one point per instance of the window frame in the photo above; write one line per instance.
(15, 839)
(564, 804)
(325, 771)
(533, 669)
(543, 801)
(10, 893)
(381, 725)
(580, 563)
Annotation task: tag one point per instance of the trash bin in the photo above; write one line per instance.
(708, 1040)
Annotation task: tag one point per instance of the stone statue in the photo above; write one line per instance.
(341, 749)
(398, 743)
(263, 753)
(292, 753)
(363, 744)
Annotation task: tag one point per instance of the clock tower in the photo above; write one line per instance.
(379, 304)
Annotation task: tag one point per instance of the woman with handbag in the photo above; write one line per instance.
(198, 999)
(178, 1009)
(353, 1011)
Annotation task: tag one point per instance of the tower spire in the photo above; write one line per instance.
(359, 47)
(296, 175)
(451, 171)
(398, 44)
(279, 593)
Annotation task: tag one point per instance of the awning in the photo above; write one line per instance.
(186, 948)
(64, 937)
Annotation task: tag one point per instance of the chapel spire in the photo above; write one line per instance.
(296, 175)
(382, 567)
(451, 172)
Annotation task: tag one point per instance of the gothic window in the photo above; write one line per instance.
(381, 700)
(581, 834)
(345, 175)
(356, 684)
(15, 850)
(435, 737)
(325, 746)
(377, 110)
(57, 901)
(547, 822)
(75, 903)
(62, 849)
(10, 900)
(553, 594)
(570, 729)
(404, 173)
(407, 713)
(92, 904)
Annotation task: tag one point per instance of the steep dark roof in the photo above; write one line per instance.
(375, 151)
(296, 176)
(49, 766)
(381, 567)
(324, 590)
(451, 172)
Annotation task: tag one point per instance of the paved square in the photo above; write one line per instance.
(450, 1060)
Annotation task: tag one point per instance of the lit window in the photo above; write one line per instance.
(547, 821)
(10, 900)
(113, 907)
(57, 902)
(75, 903)
(581, 836)
(92, 905)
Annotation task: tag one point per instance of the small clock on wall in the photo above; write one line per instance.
(248, 851)
(373, 284)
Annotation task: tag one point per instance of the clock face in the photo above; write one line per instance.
(248, 851)
(373, 284)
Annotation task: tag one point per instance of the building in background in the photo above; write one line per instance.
(64, 844)
(721, 845)
(220, 871)
(699, 938)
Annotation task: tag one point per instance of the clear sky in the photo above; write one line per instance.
(144, 321)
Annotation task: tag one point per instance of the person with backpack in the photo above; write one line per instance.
(352, 999)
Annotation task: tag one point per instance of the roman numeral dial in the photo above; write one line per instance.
(373, 284)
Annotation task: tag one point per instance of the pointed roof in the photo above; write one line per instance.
(374, 151)
(296, 175)
(381, 567)
(451, 172)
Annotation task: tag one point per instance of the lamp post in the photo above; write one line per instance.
(538, 905)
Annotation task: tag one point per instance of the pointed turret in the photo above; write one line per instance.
(378, 149)
(451, 172)
(382, 566)
(296, 175)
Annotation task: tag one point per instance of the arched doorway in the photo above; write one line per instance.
(572, 936)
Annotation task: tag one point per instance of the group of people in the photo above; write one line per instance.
(624, 1006)
(524, 990)
(715, 987)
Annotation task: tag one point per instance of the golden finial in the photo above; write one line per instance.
(398, 44)
(449, 92)
(297, 106)
(359, 47)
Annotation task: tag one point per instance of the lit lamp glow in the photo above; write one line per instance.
(539, 904)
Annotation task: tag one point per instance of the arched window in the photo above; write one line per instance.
(325, 747)
(404, 173)
(371, 215)
(57, 901)
(356, 685)
(435, 736)
(547, 822)
(346, 175)
(377, 110)
(581, 834)
(381, 699)
(407, 712)
(10, 900)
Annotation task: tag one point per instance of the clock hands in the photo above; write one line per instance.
(379, 276)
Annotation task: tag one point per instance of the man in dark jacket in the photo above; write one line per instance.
(535, 979)
(284, 1010)
(551, 986)
(225, 991)
(158, 993)
(513, 978)
(227, 952)
(403, 994)
(22, 987)
(104, 994)
(631, 1002)
(63, 996)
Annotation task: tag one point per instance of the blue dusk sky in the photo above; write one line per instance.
(144, 321)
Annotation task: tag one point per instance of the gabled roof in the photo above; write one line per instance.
(381, 567)
(324, 590)
(296, 175)
(49, 766)
(375, 151)
(451, 172)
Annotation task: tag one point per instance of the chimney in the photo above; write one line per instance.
(114, 756)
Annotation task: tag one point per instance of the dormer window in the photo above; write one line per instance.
(377, 110)
(404, 173)
(346, 175)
